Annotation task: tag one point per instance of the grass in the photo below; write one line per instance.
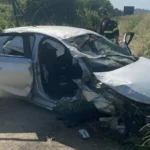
(139, 143)
(6, 17)
(140, 24)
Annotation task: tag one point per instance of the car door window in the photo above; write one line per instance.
(16, 65)
(11, 46)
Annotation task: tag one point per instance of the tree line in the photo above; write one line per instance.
(79, 13)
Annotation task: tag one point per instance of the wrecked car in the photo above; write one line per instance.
(73, 70)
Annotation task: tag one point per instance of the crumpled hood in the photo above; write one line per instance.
(132, 81)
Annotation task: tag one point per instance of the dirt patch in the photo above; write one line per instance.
(24, 126)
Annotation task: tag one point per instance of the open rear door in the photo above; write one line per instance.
(16, 73)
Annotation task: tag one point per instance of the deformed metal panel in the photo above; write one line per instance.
(99, 101)
(16, 76)
(132, 81)
(61, 32)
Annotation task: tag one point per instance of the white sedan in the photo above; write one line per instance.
(60, 67)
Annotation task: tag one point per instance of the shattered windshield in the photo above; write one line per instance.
(96, 45)
(106, 55)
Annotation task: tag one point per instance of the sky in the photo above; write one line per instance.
(143, 4)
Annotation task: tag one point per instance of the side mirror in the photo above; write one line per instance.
(128, 37)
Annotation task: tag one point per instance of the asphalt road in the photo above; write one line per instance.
(24, 126)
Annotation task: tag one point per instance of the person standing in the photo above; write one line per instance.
(108, 27)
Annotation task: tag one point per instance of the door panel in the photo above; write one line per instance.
(16, 76)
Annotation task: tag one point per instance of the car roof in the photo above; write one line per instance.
(63, 32)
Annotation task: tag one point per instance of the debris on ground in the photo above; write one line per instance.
(112, 123)
(84, 134)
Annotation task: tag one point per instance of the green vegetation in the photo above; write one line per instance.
(140, 24)
(80, 13)
(139, 143)
(6, 18)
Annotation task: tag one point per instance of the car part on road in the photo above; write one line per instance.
(84, 134)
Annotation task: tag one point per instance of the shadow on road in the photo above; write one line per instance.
(24, 122)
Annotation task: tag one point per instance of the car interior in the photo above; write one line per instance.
(57, 70)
